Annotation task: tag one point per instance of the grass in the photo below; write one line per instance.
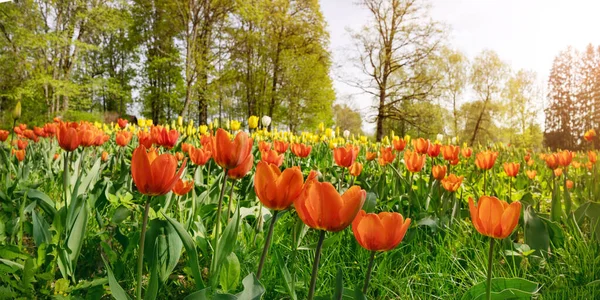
(431, 265)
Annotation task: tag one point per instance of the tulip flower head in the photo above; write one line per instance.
(301, 150)
(4, 135)
(379, 232)
(493, 217)
(252, 122)
(450, 152)
(280, 146)
(370, 156)
(434, 150)
(230, 154)
(589, 135)
(272, 157)
(355, 169)
(531, 174)
(321, 207)
(485, 160)
(387, 156)
(592, 156)
(154, 174)
(67, 137)
(414, 161)
(421, 145)
(452, 182)
(511, 169)
(398, 143)
(182, 187)
(345, 156)
(275, 189)
(242, 170)
(199, 156)
(438, 172)
(551, 160)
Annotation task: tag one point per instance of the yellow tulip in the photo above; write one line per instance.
(17, 111)
(203, 129)
(252, 122)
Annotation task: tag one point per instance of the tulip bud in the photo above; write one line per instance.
(17, 111)
(266, 121)
(346, 133)
(179, 121)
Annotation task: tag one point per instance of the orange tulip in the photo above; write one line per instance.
(146, 139)
(122, 123)
(355, 169)
(22, 144)
(576, 164)
(421, 145)
(527, 157)
(183, 187)
(321, 207)
(414, 162)
(87, 137)
(206, 141)
(275, 189)
(264, 146)
(370, 156)
(301, 150)
(399, 144)
(104, 156)
(452, 182)
(67, 137)
(511, 169)
(230, 154)
(565, 158)
(56, 156)
(466, 152)
(272, 157)
(485, 160)
(179, 156)
(154, 174)
(164, 137)
(3, 135)
(387, 156)
(280, 146)
(242, 170)
(569, 184)
(30, 135)
(345, 156)
(450, 152)
(123, 138)
(185, 147)
(551, 160)
(379, 232)
(438, 172)
(50, 129)
(558, 172)
(592, 157)
(19, 154)
(39, 131)
(199, 156)
(434, 150)
(493, 217)
(531, 174)
(589, 135)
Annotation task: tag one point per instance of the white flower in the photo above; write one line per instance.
(266, 121)
(454, 140)
(440, 137)
(346, 133)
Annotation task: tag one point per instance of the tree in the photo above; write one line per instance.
(488, 75)
(399, 38)
(454, 70)
(522, 94)
(347, 118)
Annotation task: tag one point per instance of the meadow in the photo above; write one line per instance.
(132, 211)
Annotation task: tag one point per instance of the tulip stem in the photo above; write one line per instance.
(229, 204)
(484, 177)
(12, 135)
(218, 225)
(315, 270)
(488, 286)
(140, 263)
(509, 189)
(341, 179)
(267, 244)
(66, 178)
(369, 269)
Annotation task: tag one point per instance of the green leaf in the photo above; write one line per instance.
(121, 213)
(152, 289)
(253, 290)
(285, 273)
(556, 205)
(165, 242)
(504, 288)
(339, 284)
(536, 231)
(226, 244)
(230, 273)
(43, 201)
(190, 247)
(41, 234)
(115, 288)
(370, 202)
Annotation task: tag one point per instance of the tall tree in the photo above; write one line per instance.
(398, 39)
(523, 99)
(454, 69)
(488, 76)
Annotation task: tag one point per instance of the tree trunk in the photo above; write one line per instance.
(478, 124)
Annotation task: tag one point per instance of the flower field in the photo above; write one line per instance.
(143, 211)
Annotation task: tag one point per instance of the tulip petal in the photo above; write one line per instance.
(475, 216)
(140, 169)
(163, 169)
(490, 212)
(372, 233)
(510, 218)
(352, 201)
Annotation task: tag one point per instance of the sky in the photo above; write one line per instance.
(526, 34)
